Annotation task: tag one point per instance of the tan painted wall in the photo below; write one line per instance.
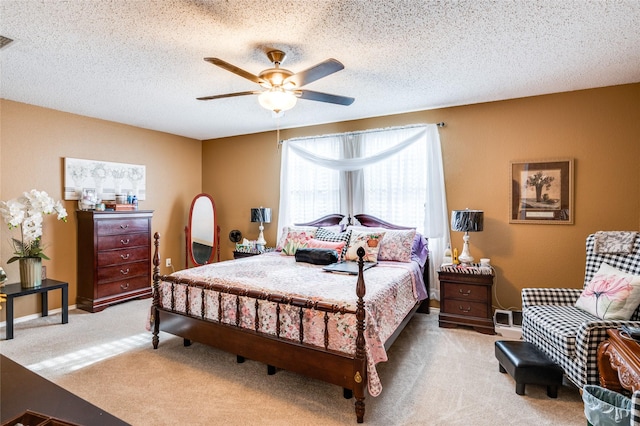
(598, 128)
(34, 143)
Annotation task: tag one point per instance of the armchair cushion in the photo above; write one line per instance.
(553, 334)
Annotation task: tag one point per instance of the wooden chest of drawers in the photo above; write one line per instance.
(114, 257)
(465, 299)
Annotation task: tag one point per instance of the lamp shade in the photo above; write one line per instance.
(467, 220)
(261, 214)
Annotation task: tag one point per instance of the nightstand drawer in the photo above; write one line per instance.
(465, 292)
(466, 308)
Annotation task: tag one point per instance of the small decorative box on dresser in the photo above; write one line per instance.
(465, 298)
(114, 257)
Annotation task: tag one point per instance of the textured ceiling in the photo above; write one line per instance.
(141, 62)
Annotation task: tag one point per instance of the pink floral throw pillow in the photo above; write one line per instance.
(611, 294)
(370, 241)
(294, 241)
(309, 230)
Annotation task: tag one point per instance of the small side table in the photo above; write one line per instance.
(15, 290)
(465, 298)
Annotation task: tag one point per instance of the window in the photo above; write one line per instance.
(395, 174)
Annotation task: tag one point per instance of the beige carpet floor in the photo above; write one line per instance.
(434, 376)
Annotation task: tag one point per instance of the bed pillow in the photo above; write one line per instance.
(369, 240)
(611, 294)
(295, 240)
(337, 246)
(322, 234)
(309, 230)
(396, 245)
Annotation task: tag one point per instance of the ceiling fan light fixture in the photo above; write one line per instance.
(277, 99)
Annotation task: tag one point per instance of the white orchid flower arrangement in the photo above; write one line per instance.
(27, 212)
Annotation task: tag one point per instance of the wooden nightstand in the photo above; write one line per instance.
(465, 298)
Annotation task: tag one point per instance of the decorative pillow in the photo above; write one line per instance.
(316, 256)
(370, 241)
(611, 294)
(337, 246)
(294, 241)
(309, 230)
(322, 234)
(396, 245)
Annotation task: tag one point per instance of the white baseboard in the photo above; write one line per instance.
(34, 316)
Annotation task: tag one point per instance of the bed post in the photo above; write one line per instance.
(155, 318)
(361, 373)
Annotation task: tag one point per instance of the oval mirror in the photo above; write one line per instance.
(203, 232)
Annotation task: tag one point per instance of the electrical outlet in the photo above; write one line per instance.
(167, 262)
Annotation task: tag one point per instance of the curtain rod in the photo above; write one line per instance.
(361, 132)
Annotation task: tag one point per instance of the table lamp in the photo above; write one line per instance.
(466, 221)
(262, 215)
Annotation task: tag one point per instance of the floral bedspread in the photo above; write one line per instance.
(391, 292)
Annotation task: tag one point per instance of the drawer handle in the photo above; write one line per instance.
(464, 309)
(125, 256)
(124, 226)
(124, 286)
(465, 293)
(124, 272)
(125, 242)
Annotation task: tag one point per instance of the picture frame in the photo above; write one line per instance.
(542, 192)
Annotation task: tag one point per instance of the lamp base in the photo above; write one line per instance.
(261, 241)
(465, 257)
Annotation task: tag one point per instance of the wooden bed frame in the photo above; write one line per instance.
(347, 371)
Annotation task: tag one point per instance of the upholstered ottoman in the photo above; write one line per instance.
(528, 365)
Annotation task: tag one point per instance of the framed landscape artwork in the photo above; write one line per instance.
(542, 192)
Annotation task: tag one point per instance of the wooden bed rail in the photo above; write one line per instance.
(351, 368)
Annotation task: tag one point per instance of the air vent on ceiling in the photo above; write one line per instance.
(4, 41)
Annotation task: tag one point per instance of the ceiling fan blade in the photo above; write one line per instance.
(232, 68)
(229, 95)
(324, 97)
(314, 73)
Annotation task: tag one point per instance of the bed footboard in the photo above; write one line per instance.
(345, 370)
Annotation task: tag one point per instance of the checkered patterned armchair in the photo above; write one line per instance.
(568, 335)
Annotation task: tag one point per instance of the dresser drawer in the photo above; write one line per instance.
(464, 291)
(122, 286)
(122, 256)
(120, 272)
(463, 307)
(123, 241)
(121, 226)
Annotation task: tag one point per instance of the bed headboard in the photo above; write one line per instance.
(363, 219)
(328, 220)
(374, 222)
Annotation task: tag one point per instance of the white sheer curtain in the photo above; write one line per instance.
(395, 174)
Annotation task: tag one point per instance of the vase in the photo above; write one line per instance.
(30, 272)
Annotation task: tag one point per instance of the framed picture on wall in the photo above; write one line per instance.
(542, 192)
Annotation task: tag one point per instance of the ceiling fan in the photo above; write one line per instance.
(281, 87)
